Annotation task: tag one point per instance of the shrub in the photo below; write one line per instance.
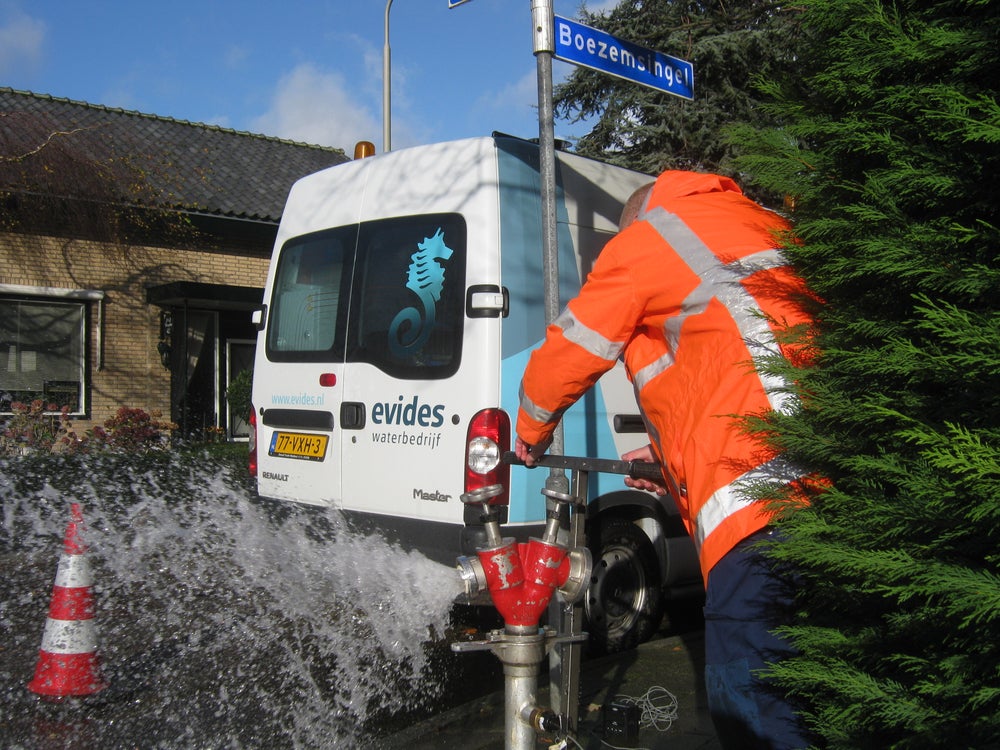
(34, 426)
(133, 430)
(40, 427)
(238, 393)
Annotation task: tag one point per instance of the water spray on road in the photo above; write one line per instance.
(223, 621)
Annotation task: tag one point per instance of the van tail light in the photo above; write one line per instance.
(488, 439)
(252, 458)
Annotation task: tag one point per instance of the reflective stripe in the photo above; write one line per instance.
(587, 338)
(720, 281)
(650, 371)
(722, 504)
(69, 636)
(536, 412)
(760, 261)
(73, 571)
(733, 497)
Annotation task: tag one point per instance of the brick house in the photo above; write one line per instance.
(133, 249)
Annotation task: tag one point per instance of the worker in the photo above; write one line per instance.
(691, 294)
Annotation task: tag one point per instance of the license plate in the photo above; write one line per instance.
(298, 445)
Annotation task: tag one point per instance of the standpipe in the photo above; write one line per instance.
(521, 579)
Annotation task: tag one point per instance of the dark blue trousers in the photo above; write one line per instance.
(744, 601)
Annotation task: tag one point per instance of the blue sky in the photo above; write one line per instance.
(306, 70)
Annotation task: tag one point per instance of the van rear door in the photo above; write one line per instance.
(300, 365)
(418, 364)
(401, 387)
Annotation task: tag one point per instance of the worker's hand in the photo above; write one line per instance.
(647, 485)
(530, 453)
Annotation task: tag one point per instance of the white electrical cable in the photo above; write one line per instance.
(659, 708)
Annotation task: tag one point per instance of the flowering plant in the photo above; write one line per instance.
(40, 426)
(34, 426)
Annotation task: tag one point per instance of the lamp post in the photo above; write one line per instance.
(386, 86)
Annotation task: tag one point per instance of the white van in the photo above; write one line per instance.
(403, 298)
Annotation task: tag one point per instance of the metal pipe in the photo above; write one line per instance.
(570, 653)
(520, 694)
(522, 655)
(493, 538)
(553, 524)
(386, 85)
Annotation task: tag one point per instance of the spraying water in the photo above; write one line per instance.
(223, 622)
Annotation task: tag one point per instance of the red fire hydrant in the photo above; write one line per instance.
(521, 579)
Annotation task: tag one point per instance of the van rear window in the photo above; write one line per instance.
(389, 292)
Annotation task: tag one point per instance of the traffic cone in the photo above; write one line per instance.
(67, 661)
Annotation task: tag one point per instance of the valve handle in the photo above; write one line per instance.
(559, 497)
(482, 495)
(635, 469)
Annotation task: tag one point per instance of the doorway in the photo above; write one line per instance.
(239, 359)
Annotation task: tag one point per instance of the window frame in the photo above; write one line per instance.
(79, 299)
(350, 343)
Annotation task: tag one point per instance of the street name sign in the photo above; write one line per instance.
(592, 48)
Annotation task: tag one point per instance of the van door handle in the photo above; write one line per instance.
(352, 415)
(487, 301)
(628, 423)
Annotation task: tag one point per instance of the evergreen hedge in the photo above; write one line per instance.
(888, 144)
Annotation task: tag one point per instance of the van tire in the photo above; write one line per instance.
(624, 603)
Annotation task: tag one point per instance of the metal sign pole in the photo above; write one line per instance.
(542, 23)
(564, 659)
(541, 18)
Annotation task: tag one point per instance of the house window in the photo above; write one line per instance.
(42, 352)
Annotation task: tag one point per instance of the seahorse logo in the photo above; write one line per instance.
(410, 330)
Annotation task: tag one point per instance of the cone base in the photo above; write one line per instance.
(67, 675)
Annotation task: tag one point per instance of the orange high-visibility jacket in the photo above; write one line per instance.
(688, 295)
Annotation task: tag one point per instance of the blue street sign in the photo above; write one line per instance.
(593, 48)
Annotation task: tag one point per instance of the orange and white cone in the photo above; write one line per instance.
(67, 661)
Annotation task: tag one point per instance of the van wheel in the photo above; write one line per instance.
(624, 604)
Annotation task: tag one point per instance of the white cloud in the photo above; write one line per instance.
(407, 127)
(522, 93)
(602, 6)
(313, 106)
(235, 56)
(512, 109)
(22, 39)
(370, 56)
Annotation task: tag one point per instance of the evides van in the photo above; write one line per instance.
(404, 296)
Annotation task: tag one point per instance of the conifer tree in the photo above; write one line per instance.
(728, 43)
(890, 143)
(883, 127)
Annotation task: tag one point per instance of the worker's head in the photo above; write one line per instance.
(634, 205)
